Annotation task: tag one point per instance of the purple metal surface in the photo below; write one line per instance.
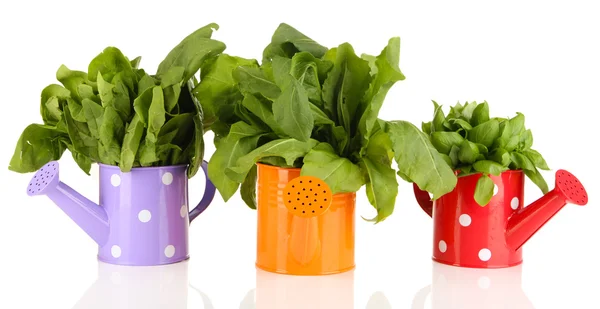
(144, 215)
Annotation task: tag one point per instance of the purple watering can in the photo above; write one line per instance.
(143, 216)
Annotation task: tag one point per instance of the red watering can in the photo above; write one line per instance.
(468, 235)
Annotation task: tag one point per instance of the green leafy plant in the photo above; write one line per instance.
(118, 114)
(471, 142)
(314, 108)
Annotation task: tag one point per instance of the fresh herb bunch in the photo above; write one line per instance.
(317, 109)
(118, 114)
(472, 142)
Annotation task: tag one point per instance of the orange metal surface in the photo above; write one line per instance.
(292, 242)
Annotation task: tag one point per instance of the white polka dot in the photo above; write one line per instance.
(144, 215)
(115, 251)
(183, 211)
(464, 220)
(442, 246)
(484, 282)
(485, 254)
(167, 178)
(169, 251)
(115, 180)
(495, 189)
(514, 203)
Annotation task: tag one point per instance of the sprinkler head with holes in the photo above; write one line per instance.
(44, 180)
(307, 196)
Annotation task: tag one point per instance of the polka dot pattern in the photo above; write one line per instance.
(167, 178)
(170, 251)
(485, 254)
(442, 246)
(464, 220)
(514, 203)
(115, 180)
(183, 211)
(144, 216)
(115, 251)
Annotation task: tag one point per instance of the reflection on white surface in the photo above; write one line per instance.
(136, 287)
(378, 301)
(470, 288)
(275, 291)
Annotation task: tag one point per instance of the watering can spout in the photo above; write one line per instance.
(527, 221)
(87, 215)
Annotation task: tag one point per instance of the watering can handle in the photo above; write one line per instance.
(209, 194)
(419, 299)
(423, 199)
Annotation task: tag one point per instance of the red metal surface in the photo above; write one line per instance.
(468, 235)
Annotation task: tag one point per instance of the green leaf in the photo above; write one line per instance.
(517, 124)
(147, 153)
(112, 132)
(192, 51)
(304, 68)
(345, 86)
(382, 188)
(386, 75)
(76, 110)
(438, 118)
(248, 188)
(501, 156)
(537, 179)
(319, 116)
(253, 80)
(453, 155)
(37, 145)
(196, 148)
(443, 141)
(115, 95)
(481, 114)
(418, 160)
(135, 62)
(485, 133)
(340, 174)
(290, 149)
(242, 139)
(263, 111)
(282, 68)
(50, 106)
(108, 63)
(94, 115)
(287, 41)
(340, 136)
(468, 152)
(156, 114)
(522, 162)
(484, 190)
(461, 124)
(131, 143)
(71, 80)
(145, 83)
(537, 159)
(217, 83)
(468, 110)
(482, 149)
(80, 137)
(525, 140)
(489, 167)
(292, 111)
(426, 127)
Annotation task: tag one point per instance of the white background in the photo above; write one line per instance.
(541, 58)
